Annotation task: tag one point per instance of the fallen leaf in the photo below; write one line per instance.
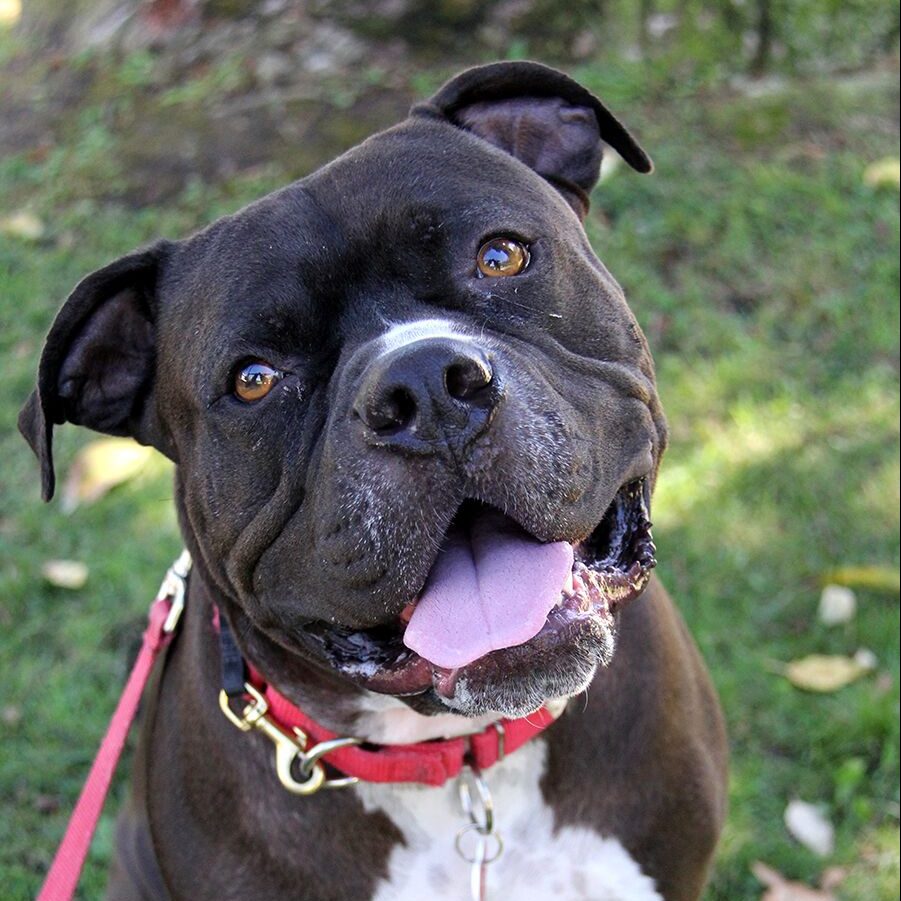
(22, 225)
(781, 889)
(10, 10)
(838, 604)
(883, 172)
(833, 877)
(873, 578)
(65, 573)
(823, 672)
(102, 465)
(808, 824)
(11, 715)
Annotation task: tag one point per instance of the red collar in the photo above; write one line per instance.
(427, 762)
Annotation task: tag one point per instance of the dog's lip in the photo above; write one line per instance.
(567, 623)
(612, 567)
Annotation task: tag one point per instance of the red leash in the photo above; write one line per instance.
(429, 763)
(65, 870)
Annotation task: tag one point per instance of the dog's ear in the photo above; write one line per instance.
(98, 361)
(543, 118)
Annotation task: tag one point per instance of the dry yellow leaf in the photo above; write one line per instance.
(883, 172)
(833, 877)
(10, 11)
(874, 578)
(70, 574)
(102, 465)
(823, 672)
(781, 889)
(22, 225)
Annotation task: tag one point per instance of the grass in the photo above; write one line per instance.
(765, 273)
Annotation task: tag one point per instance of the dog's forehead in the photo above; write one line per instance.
(422, 190)
(434, 165)
(418, 174)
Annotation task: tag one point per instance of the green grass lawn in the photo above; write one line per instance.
(765, 272)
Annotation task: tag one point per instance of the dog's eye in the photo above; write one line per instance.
(255, 380)
(502, 256)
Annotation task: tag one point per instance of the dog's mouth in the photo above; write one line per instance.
(498, 599)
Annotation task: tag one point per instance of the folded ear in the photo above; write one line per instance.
(98, 361)
(543, 118)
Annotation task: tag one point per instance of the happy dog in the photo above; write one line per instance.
(416, 432)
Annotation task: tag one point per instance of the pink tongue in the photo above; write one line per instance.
(491, 587)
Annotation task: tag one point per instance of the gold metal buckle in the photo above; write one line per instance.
(288, 748)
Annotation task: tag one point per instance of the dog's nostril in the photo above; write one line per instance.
(465, 378)
(392, 411)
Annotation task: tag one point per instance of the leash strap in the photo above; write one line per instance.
(62, 878)
(233, 669)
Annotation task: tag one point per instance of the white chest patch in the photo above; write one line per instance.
(537, 863)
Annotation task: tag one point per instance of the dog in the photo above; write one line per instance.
(416, 432)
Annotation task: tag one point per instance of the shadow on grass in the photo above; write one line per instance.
(744, 544)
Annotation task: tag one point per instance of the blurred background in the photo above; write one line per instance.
(761, 260)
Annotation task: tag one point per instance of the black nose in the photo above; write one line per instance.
(431, 390)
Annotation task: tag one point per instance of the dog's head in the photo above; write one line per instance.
(414, 421)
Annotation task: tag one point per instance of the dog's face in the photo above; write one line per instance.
(414, 420)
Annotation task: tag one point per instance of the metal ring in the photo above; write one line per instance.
(312, 781)
(472, 774)
(312, 756)
(484, 837)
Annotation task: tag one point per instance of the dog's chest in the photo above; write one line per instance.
(537, 863)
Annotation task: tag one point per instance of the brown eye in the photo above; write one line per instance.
(255, 380)
(502, 256)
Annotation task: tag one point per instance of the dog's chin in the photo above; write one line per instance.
(611, 567)
(515, 682)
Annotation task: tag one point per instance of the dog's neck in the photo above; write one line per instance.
(332, 701)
